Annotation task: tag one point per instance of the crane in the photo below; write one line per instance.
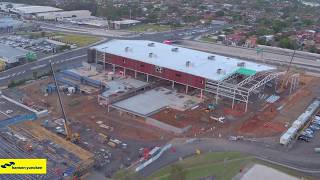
(69, 136)
(286, 75)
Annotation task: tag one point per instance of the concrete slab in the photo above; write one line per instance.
(154, 100)
(122, 85)
(6, 105)
(261, 172)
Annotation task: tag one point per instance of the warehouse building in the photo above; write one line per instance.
(124, 24)
(30, 11)
(60, 15)
(12, 56)
(9, 25)
(223, 76)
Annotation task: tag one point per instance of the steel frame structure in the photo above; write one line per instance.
(242, 90)
(229, 87)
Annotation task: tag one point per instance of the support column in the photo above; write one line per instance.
(201, 93)
(187, 89)
(234, 95)
(104, 62)
(135, 74)
(172, 85)
(247, 103)
(124, 72)
(147, 78)
(113, 68)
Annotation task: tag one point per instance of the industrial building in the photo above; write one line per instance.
(12, 56)
(9, 25)
(223, 76)
(124, 24)
(32, 10)
(60, 15)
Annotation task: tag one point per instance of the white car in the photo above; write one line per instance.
(9, 111)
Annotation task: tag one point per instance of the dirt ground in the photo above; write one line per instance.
(85, 109)
(263, 122)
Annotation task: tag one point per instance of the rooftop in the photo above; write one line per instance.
(210, 66)
(10, 54)
(35, 9)
(127, 21)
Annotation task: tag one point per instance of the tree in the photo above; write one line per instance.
(287, 43)
(177, 172)
(261, 41)
(220, 13)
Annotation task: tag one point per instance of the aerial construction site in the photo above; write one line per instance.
(132, 96)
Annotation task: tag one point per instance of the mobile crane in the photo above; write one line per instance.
(286, 76)
(73, 137)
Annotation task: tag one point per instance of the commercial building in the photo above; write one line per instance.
(124, 24)
(9, 25)
(12, 56)
(33, 10)
(60, 15)
(224, 76)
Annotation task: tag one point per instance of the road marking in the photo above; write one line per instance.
(38, 67)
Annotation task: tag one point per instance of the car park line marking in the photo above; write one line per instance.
(5, 114)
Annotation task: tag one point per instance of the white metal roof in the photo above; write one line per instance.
(163, 56)
(127, 21)
(35, 9)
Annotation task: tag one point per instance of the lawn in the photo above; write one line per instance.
(221, 165)
(149, 28)
(79, 40)
(207, 39)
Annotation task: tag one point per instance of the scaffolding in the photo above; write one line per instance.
(231, 88)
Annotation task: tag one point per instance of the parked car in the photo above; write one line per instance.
(304, 138)
(309, 130)
(309, 135)
(314, 127)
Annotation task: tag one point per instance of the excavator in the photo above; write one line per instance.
(73, 137)
(284, 81)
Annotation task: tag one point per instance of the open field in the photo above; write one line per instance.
(80, 40)
(220, 165)
(149, 28)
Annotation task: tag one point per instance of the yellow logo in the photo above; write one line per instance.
(23, 166)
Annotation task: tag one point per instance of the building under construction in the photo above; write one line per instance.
(223, 76)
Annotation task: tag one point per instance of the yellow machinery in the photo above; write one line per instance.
(2, 65)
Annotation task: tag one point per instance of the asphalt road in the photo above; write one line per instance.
(63, 60)
(307, 163)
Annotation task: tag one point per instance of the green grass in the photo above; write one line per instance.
(221, 165)
(149, 28)
(207, 39)
(79, 40)
(210, 164)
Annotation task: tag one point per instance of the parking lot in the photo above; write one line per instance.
(40, 46)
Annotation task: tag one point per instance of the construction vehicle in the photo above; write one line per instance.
(73, 137)
(284, 81)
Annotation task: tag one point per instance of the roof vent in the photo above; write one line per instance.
(151, 55)
(241, 64)
(188, 63)
(221, 71)
(211, 57)
(127, 49)
(151, 44)
(175, 49)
